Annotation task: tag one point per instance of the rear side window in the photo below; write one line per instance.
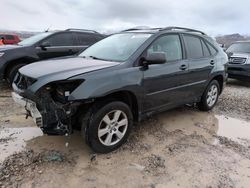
(61, 39)
(206, 52)
(170, 45)
(84, 39)
(193, 47)
(212, 49)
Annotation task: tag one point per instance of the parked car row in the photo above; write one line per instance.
(123, 78)
(239, 61)
(44, 46)
(9, 38)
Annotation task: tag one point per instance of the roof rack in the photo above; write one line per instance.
(84, 30)
(183, 28)
(166, 29)
(137, 28)
(131, 29)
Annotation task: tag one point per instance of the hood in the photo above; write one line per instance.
(64, 68)
(9, 47)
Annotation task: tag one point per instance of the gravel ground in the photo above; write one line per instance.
(179, 148)
(235, 100)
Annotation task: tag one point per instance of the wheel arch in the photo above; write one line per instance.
(14, 62)
(127, 97)
(220, 80)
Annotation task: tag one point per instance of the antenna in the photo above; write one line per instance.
(47, 30)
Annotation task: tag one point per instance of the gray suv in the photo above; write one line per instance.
(239, 61)
(121, 79)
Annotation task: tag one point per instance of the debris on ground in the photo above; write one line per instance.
(15, 166)
(154, 164)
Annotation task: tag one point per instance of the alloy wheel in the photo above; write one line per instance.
(112, 127)
(212, 95)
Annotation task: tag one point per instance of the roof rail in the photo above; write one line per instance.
(137, 28)
(84, 30)
(183, 28)
(132, 29)
(165, 29)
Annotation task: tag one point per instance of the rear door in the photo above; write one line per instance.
(200, 63)
(166, 85)
(60, 44)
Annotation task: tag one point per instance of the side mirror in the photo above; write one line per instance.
(155, 58)
(45, 44)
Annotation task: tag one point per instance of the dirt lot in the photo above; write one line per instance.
(179, 148)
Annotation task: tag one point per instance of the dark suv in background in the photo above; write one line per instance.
(239, 61)
(123, 78)
(44, 46)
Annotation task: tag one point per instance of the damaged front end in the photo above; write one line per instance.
(49, 106)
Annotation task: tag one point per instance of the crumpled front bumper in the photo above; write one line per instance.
(52, 118)
(30, 107)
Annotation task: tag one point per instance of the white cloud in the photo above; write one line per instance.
(214, 17)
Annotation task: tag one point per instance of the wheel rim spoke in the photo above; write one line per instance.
(122, 123)
(102, 132)
(117, 115)
(107, 120)
(119, 134)
(108, 139)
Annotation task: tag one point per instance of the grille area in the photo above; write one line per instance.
(237, 60)
(23, 82)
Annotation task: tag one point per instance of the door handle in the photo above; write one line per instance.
(183, 67)
(212, 62)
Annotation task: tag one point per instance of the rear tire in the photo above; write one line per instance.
(107, 126)
(210, 96)
(12, 73)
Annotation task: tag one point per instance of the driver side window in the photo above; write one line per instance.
(170, 45)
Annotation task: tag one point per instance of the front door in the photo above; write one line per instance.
(166, 85)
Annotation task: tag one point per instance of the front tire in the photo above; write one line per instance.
(210, 96)
(108, 127)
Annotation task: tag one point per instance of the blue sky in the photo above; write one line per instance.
(213, 16)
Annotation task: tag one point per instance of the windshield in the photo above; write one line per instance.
(118, 47)
(34, 39)
(239, 48)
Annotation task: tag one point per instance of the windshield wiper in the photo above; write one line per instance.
(93, 57)
(96, 58)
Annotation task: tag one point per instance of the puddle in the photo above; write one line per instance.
(72, 143)
(235, 129)
(14, 139)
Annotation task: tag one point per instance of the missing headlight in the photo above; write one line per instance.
(62, 90)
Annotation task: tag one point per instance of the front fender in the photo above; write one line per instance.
(102, 84)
